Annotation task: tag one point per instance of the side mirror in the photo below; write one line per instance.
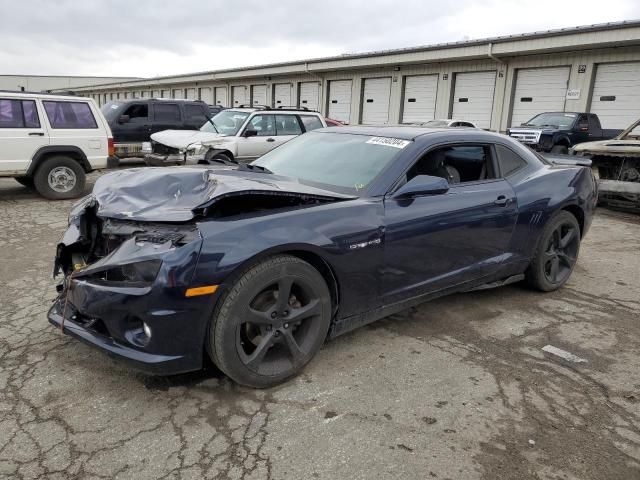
(422, 185)
(124, 119)
(250, 133)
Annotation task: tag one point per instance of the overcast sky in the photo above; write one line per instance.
(164, 37)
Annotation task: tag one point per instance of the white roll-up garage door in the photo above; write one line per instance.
(376, 93)
(178, 93)
(206, 95)
(310, 95)
(155, 94)
(419, 103)
(616, 94)
(220, 96)
(239, 95)
(282, 95)
(259, 95)
(473, 97)
(340, 100)
(191, 93)
(539, 90)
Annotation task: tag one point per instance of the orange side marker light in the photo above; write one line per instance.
(197, 291)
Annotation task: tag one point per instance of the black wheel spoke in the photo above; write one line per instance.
(261, 350)
(566, 239)
(284, 293)
(567, 260)
(257, 317)
(297, 355)
(309, 310)
(555, 269)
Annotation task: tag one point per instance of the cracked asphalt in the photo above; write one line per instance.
(456, 389)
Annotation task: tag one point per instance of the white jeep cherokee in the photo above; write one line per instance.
(241, 134)
(51, 141)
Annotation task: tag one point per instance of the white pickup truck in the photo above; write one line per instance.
(50, 142)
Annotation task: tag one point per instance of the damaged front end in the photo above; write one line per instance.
(124, 288)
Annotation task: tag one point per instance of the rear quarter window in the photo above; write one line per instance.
(509, 161)
(311, 122)
(69, 115)
(18, 114)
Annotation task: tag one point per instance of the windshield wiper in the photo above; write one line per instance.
(252, 168)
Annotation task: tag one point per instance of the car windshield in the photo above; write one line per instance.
(559, 120)
(340, 162)
(437, 123)
(227, 122)
(110, 110)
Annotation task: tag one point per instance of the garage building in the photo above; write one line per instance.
(496, 83)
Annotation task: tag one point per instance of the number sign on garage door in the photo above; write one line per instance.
(340, 100)
(473, 97)
(539, 90)
(239, 95)
(282, 95)
(220, 96)
(376, 93)
(419, 103)
(258, 95)
(616, 94)
(309, 95)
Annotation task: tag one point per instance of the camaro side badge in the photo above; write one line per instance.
(355, 246)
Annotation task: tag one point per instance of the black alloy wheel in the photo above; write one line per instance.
(271, 323)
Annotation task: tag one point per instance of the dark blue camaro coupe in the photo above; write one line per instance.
(257, 265)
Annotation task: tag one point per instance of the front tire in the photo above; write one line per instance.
(59, 177)
(271, 322)
(556, 253)
(560, 149)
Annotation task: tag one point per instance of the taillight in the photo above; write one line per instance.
(111, 149)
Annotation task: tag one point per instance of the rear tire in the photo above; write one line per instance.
(271, 322)
(560, 149)
(556, 253)
(59, 177)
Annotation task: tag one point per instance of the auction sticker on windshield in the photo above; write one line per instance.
(389, 142)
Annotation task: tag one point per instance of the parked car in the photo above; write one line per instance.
(557, 132)
(134, 121)
(235, 134)
(256, 265)
(50, 142)
(616, 163)
(447, 123)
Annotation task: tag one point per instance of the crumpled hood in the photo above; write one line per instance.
(613, 146)
(183, 138)
(178, 194)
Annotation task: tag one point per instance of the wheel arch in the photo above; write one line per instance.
(577, 212)
(214, 152)
(562, 140)
(52, 150)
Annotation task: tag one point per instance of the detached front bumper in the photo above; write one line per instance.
(158, 160)
(112, 320)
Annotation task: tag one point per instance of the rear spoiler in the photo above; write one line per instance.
(559, 159)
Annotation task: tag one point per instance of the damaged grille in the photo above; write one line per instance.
(161, 149)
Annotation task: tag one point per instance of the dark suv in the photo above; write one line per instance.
(133, 121)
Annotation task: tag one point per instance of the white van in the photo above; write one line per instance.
(50, 142)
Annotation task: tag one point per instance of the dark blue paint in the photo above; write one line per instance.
(416, 249)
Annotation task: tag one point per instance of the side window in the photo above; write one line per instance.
(138, 112)
(311, 122)
(287, 125)
(18, 114)
(263, 124)
(594, 122)
(69, 115)
(456, 164)
(166, 112)
(509, 161)
(194, 115)
(583, 122)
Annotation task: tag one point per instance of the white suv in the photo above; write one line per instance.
(241, 134)
(50, 141)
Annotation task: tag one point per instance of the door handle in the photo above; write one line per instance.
(501, 201)
(36, 134)
(271, 139)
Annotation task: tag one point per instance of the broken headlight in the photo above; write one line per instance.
(138, 274)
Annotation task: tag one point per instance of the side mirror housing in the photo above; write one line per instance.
(422, 185)
(124, 119)
(250, 133)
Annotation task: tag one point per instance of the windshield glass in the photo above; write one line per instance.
(559, 120)
(346, 163)
(110, 110)
(227, 122)
(437, 123)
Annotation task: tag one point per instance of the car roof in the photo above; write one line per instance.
(25, 94)
(403, 132)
